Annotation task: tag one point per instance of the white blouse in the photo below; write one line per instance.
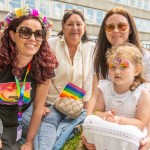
(66, 72)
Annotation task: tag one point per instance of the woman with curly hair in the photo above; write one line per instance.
(2, 27)
(26, 67)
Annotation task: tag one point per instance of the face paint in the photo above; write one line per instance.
(124, 64)
(119, 63)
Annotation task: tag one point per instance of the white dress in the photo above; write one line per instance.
(110, 136)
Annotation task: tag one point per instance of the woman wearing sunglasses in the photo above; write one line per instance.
(26, 67)
(117, 27)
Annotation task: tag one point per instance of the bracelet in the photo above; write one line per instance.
(94, 113)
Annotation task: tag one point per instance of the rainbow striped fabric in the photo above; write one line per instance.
(72, 91)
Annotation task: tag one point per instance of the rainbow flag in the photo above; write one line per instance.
(72, 91)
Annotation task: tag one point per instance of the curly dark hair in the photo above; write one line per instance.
(67, 15)
(43, 63)
(100, 65)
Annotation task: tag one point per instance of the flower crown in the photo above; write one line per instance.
(25, 11)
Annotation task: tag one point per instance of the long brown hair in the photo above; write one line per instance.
(103, 44)
(43, 62)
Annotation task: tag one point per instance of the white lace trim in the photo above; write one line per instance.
(130, 135)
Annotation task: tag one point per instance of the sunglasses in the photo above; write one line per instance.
(120, 26)
(26, 33)
(72, 11)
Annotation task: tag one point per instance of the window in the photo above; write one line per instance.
(138, 23)
(139, 4)
(44, 7)
(68, 6)
(117, 1)
(57, 10)
(146, 4)
(99, 17)
(133, 3)
(2, 4)
(144, 25)
(14, 4)
(125, 1)
(148, 24)
(80, 8)
(30, 3)
(90, 15)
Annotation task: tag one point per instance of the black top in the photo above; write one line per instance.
(8, 113)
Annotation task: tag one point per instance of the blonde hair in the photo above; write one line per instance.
(134, 54)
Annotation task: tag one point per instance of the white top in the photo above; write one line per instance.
(72, 73)
(125, 104)
(146, 64)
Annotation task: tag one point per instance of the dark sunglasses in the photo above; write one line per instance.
(26, 33)
(120, 26)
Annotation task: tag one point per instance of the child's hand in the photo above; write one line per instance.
(116, 119)
(110, 116)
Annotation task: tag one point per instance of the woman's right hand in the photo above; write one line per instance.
(27, 146)
(88, 145)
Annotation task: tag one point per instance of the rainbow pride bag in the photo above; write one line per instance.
(69, 100)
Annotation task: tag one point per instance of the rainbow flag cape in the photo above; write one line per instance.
(72, 91)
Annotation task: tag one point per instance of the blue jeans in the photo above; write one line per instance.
(47, 133)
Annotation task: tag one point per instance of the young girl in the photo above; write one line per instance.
(122, 112)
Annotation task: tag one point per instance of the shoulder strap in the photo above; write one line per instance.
(55, 86)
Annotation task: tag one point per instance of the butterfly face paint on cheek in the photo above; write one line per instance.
(119, 63)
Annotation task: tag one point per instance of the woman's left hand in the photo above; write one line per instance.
(27, 146)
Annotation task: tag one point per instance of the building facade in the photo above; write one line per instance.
(94, 12)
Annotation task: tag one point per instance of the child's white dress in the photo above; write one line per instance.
(110, 136)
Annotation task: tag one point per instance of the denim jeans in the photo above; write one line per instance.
(47, 133)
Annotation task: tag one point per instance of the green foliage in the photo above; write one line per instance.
(73, 143)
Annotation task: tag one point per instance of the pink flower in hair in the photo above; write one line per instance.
(35, 13)
(44, 19)
(8, 20)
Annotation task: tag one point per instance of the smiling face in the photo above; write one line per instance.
(27, 47)
(116, 36)
(74, 29)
